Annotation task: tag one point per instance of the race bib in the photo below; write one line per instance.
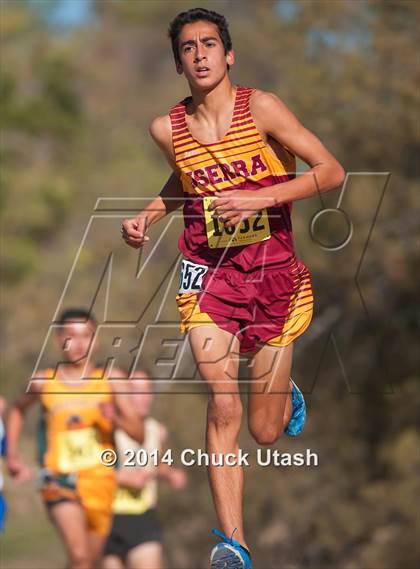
(255, 228)
(78, 449)
(130, 501)
(191, 276)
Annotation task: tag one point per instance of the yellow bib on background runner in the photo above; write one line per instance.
(78, 449)
(128, 501)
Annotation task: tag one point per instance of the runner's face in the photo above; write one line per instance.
(203, 59)
(74, 340)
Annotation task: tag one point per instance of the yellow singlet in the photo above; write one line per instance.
(76, 430)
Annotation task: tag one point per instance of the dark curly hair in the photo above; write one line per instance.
(77, 314)
(197, 15)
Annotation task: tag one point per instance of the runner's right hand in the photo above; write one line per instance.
(18, 469)
(134, 231)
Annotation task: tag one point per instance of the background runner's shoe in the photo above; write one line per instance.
(229, 554)
(297, 420)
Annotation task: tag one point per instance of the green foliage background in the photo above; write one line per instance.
(75, 106)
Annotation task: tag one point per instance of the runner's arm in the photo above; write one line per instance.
(171, 196)
(273, 119)
(125, 416)
(134, 478)
(16, 467)
(169, 199)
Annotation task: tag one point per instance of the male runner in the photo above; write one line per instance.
(135, 538)
(80, 410)
(232, 150)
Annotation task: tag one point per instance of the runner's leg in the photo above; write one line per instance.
(96, 546)
(269, 400)
(112, 562)
(145, 556)
(70, 521)
(216, 353)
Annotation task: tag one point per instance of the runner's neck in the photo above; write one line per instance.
(209, 105)
(75, 376)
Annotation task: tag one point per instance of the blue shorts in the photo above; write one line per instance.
(3, 510)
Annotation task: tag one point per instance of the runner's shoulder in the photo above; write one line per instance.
(37, 380)
(161, 130)
(264, 104)
(120, 386)
(261, 99)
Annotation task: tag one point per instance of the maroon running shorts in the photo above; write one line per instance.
(270, 305)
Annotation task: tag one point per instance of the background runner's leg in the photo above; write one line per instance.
(216, 353)
(145, 556)
(96, 546)
(269, 399)
(70, 520)
(112, 562)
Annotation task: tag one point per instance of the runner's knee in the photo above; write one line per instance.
(112, 562)
(264, 434)
(145, 556)
(224, 409)
(79, 558)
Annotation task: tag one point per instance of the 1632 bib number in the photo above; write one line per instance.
(255, 228)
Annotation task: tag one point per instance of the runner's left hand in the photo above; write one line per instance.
(234, 206)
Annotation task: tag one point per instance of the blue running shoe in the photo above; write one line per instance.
(229, 554)
(297, 420)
